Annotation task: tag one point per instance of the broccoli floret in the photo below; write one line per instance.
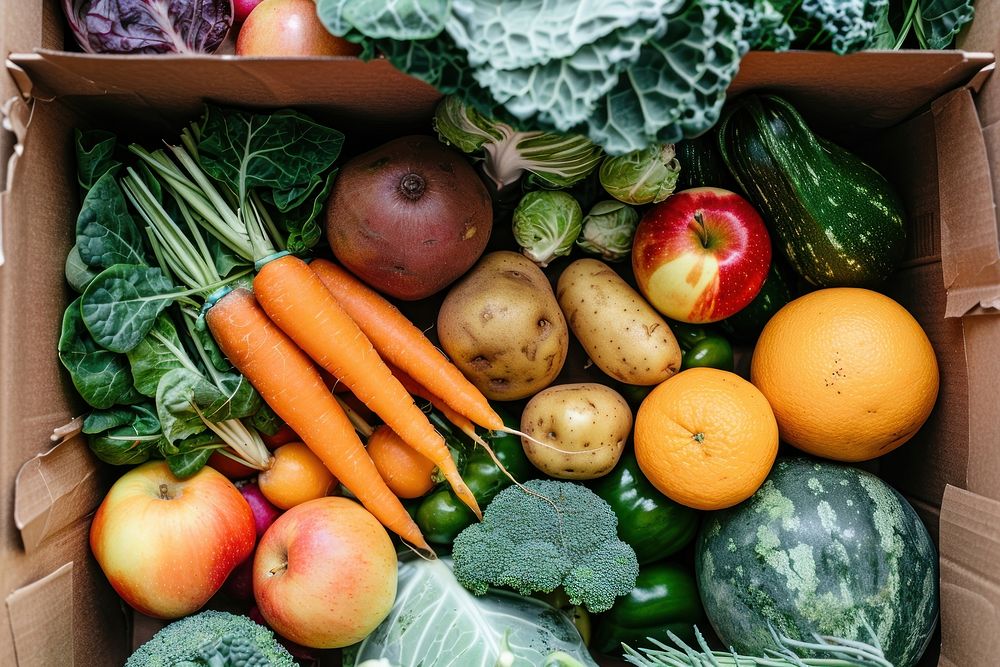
(555, 534)
(212, 639)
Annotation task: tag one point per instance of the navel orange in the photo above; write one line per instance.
(849, 373)
(706, 438)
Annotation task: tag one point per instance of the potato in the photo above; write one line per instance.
(583, 426)
(620, 331)
(502, 327)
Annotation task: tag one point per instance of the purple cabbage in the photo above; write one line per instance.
(149, 26)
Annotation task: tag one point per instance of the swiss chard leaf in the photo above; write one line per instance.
(156, 355)
(101, 377)
(939, 21)
(106, 234)
(121, 304)
(385, 19)
(239, 399)
(182, 395)
(123, 436)
(300, 224)
(78, 273)
(94, 156)
(192, 454)
(284, 153)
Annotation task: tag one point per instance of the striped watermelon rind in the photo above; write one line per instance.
(820, 548)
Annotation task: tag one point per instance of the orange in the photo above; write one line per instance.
(406, 472)
(295, 476)
(706, 438)
(849, 373)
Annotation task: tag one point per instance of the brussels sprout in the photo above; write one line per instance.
(608, 230)
(546, 223)
(641, 177)
(556, 160)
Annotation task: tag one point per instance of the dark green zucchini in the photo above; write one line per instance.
(702, 165)
(836, 219)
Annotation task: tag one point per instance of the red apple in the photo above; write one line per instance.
(325, 573)
(289, 28)
(167, 545)
(242, 9)
(701, 255)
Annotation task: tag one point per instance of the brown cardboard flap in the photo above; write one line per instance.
(54, 490)
(969, 248)
(41, 620)
(871, 88)
(970, 581)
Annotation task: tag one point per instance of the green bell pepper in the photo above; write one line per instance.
(441, 516)
(702, 347)
(665, 598)
(747, 324)
(651, 523)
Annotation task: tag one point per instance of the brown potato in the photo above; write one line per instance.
(501, 326)
(623, 335)
(582, 427)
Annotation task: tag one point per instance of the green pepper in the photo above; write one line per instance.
(702, 347)
(747, 324)
(441, 516)
(651, 523)
(665, 598)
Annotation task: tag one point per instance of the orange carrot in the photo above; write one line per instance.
(290, 384)
(297, 301)
(409, 384)
(403, 344)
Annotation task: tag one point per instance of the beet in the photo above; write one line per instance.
(264, 513)
(409, 217)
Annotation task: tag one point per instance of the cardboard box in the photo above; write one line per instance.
(930, 120)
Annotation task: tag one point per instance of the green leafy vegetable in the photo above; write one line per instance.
(557, 160)
(78, 273)
(105, 232)
(193, 453)
(94, 156)
(434, 621)
(159, 352)
(101, 377)
(121, 304)
(186, 401)
(123, 436)
(546, 224)
(545, 535)
(641, 177)
(937, 22)
(608, 230)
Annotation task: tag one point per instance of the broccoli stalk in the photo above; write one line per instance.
(554, 534)
(212, 639)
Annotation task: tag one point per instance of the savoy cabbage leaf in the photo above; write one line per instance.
(937, 22)
(385, 19)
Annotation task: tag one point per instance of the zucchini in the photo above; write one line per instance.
(702, 165)
(836, 219)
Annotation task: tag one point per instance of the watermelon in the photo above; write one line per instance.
(820, 548)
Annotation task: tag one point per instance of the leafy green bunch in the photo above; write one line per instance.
(624, 73)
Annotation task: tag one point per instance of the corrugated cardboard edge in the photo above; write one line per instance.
(41, 622)
(970, 579)
(970, 251)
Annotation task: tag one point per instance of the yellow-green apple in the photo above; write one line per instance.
(289, 28)
(166, 544)
(701, 255)
(325, 573)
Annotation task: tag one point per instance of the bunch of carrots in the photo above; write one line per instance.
(304, 316)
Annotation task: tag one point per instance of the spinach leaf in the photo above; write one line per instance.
(121, 304)
(101, 377)
(155, 355)
(123, 436)
(78, 274)
(94, 156)
(300, 224)
(938, 21)
(182, 394)
(239, 399)
(193, 453)
(284, 153)
(106, 234)
(203, 337)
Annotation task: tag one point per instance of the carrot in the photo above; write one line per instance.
(290, 384)
(404, 345)
(409, 384)
(296, 300)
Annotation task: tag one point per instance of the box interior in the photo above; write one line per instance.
(925, 134)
